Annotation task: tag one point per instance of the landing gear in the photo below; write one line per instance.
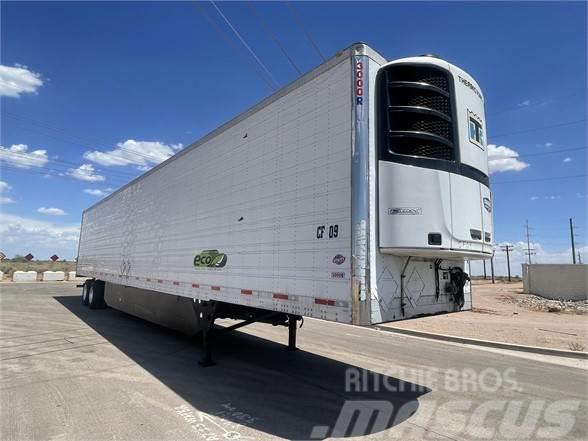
(208, 312)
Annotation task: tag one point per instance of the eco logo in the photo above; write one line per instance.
(210, 259)
(338, 259)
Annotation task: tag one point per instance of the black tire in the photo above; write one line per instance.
(85, 291)
(96, 295)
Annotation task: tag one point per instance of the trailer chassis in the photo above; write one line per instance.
(209, 311)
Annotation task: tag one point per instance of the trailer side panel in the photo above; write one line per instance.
(258, 215)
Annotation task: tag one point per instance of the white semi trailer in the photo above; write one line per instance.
(355, 194)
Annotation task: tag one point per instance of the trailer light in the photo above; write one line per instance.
(324, 302)
(475, 234)
(434, 238)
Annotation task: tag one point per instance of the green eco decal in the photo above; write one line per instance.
(210, 259)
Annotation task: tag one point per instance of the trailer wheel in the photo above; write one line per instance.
(86, 291)
(96, 295)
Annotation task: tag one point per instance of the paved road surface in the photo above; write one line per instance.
(69, 373)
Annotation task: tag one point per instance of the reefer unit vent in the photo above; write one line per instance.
(417, 113)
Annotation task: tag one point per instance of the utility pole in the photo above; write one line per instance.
(573, 245)
(529, 249)
(579, 258)
(492, 268)
(484, 262)
(508, 249)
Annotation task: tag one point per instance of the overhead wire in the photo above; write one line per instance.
(538, 128)
(551, 152)
(53, 173)
(272, 36)
(231, 45)
(533, 103)
(251, 51)
(540, 179)
(74, 139)
(298, 21)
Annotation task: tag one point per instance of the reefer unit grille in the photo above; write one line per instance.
(416, 112)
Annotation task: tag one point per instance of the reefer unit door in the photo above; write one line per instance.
(432, 171)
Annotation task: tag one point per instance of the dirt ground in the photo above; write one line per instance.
(503, 313)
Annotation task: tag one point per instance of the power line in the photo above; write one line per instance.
(508, 248)
(530, 251)
(539, 179)
(539, 128)
(299, 22)
(75, 140)
(44, 171)
(227, 21)
(573, 241)
(273, 37)
(551, 152)
(231, 45)
(533, 103)
(59, 162)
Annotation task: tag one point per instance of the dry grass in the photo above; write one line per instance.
(575, 346)
(8, 267)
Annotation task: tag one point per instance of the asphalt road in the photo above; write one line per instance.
(70, 373)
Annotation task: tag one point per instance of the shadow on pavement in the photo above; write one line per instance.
(258, 383)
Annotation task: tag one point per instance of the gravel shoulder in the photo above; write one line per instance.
(502, 312)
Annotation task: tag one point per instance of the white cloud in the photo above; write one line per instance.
(568, 159)
(524, 103)
(501, 159)
(19, 156)
(51, 211)
(552, 198)
(85, 172)
(97, 191)
(22, 235)
(534, 198)
(5, 188)
(548, 144)
(17, 80)
(143, 154)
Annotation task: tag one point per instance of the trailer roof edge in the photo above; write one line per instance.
(355, 49)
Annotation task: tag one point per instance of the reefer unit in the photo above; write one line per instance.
(354, 194)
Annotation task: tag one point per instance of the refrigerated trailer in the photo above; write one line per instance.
(355, 194)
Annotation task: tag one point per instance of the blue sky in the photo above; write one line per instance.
(88, 78)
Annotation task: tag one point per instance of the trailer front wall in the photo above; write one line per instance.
(270, 195)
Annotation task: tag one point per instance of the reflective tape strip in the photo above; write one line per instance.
(177, 283)
(324, 302)
(279, 296)
(195, 285)
(159, 281)
(215, 288)
(246, 291)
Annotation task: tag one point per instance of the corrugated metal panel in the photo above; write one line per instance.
(256, 192)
